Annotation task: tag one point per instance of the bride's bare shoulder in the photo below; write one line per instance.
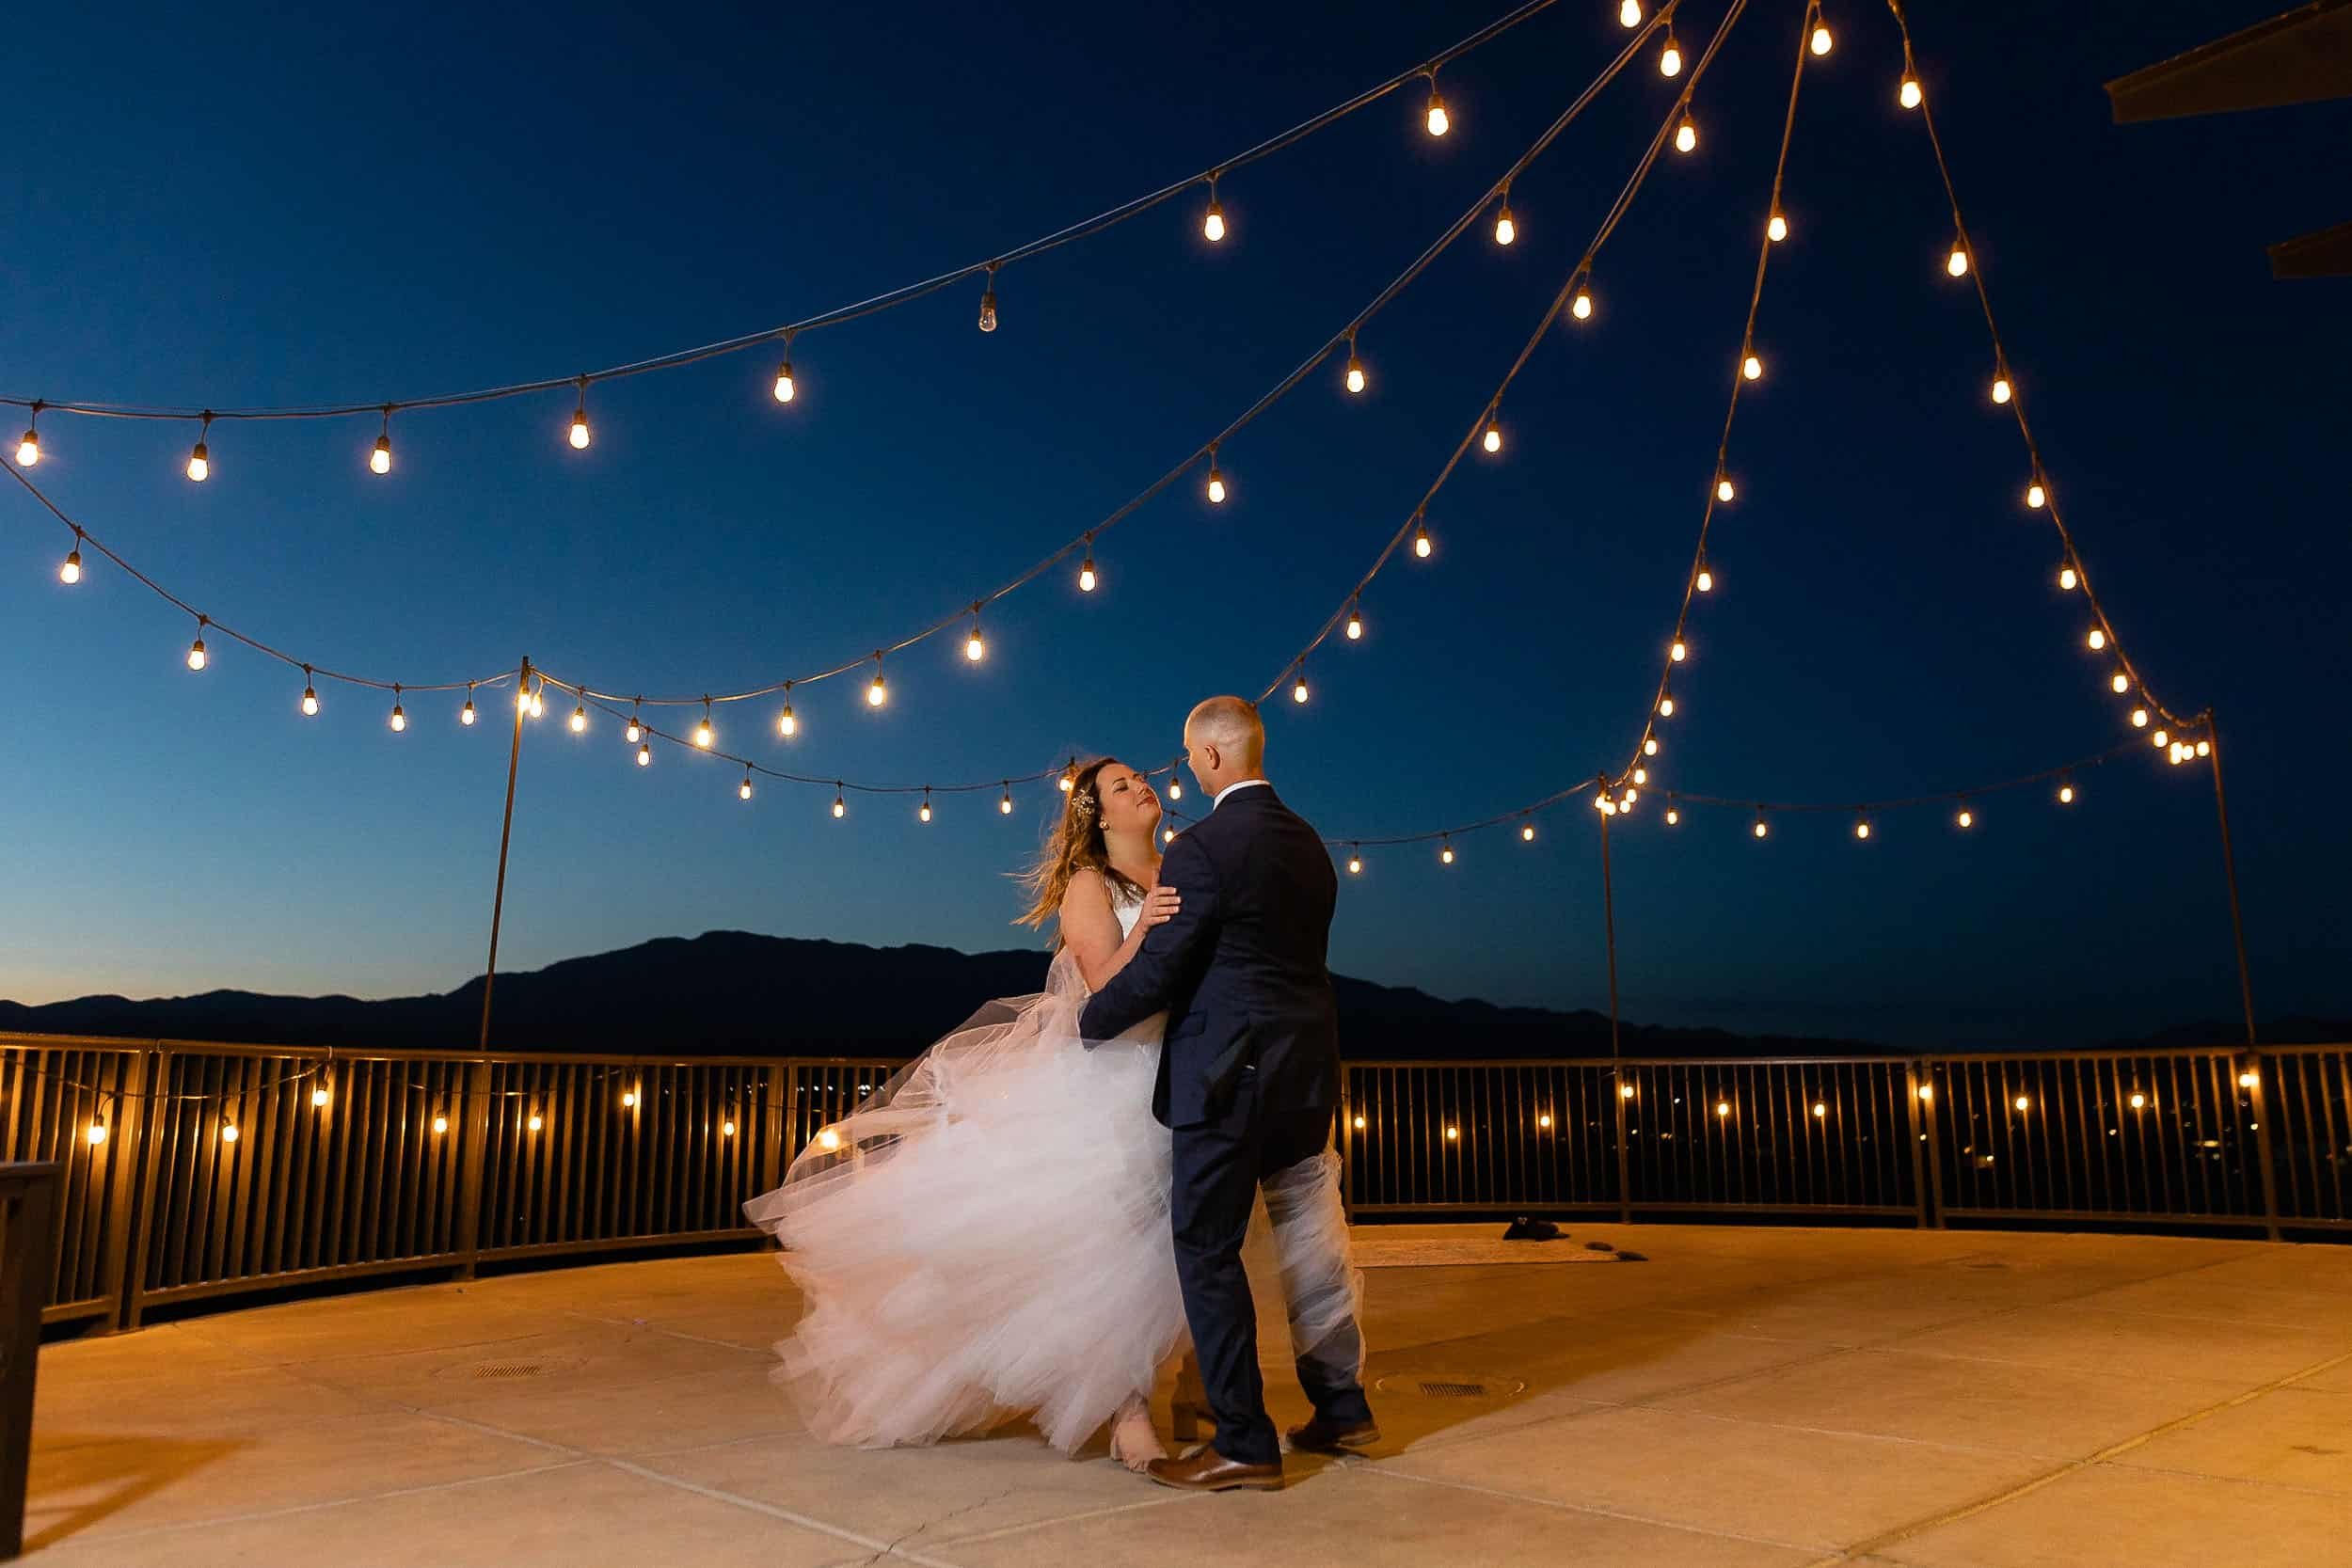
(1086, 891)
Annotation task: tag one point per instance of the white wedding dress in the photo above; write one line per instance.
(988, 1236)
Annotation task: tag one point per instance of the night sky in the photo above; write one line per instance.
(330, 205)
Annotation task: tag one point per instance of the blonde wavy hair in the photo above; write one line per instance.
(1075, 844)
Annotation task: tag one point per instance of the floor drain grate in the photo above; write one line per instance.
(510, 1368)
(1453, 1391)
(1449, 1383)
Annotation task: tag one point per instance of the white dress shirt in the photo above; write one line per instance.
(1239, 784)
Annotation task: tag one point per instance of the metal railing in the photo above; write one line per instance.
(190, 1170)
(2222, 1138)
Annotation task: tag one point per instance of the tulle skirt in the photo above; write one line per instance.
(988, 1236)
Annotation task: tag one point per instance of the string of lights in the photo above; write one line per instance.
(1617, 794)
(1576, 296)
(1216, 488)
(200, 657)
(2040, 494)
(967, 616)
(380, 457)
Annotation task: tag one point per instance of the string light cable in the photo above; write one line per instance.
(905, 294)
(1415, 524)
(967, 611)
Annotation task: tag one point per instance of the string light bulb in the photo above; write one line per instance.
(2161, 738)
(1670, 58)
(1956, 263)
(1823, 41)
(1862, 828)
(1492, 441)
(579, 719)
(465, 715)
(1213, 222)
(1175, 784)
(1069, 780)
(840, 805)
(1776, 227)
(28, 450)
(974, 646)
(69, 572)
(1649, 746)
(1705, 580)
(310, 696)
(1005, 805)
(1964, 818)
(704, 734)
(2095, 639)
(1687, 133)
(1298, 686)
(1762, 828)
(1581, 306)
(580, 436)
(1527, 832)
(1665, 707)
(1355, 624)
(201, 456)
(380, 460)
(320, 1098)
(1087, 577)
(1506, 227)
(644, 753)
(786, 389)
(2002, 390)
(877, 691)
(636, 731)
(2068, 578)
(2139, 719)
(2036, 494)
(2066, 795)
(1679, 650)
(1445, 852)
(1216, 480)
(923, 813)
(1630, 13)
(228, 1133)
(1422, 545)
(2204, 748)
(1908, 93)
(1752, 367)
(536, 1122)
(1436, 119)
(440, 1124)
(400, 718)
(1724, 490)
(197, 656)
(2119, 683)
(786, 725)
(1355, 868)
(988, 301)
(1674, 817)
(744, 790)
(97, 1133)
(1355, 367)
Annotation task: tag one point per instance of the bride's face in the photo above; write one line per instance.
(1129, 804)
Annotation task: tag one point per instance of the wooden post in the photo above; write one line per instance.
(506, 835)
(24, 1273)
(1616, 1088)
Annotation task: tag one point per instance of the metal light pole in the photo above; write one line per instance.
(506, 835)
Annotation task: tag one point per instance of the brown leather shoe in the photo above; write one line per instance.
(1322, 1437)
(1211, 1471)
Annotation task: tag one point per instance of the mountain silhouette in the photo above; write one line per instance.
(738, 993)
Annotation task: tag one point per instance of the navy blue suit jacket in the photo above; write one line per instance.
(1241, 968)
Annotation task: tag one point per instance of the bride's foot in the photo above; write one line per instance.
(1133, 1443)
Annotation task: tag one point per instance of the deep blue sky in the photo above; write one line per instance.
(332, 203)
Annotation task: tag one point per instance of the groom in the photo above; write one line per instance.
(1250, 1079)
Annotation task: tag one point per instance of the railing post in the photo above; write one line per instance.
(1625, 1155)
(124, 1182)
(147, 1117)
(473, 1134)
(774, 1124)
(2262, 1069)
(24, 1272)
(1927, 1162)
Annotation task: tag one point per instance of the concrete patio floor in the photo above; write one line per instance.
(1744, 1396)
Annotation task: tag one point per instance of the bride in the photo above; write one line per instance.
(988, 1236)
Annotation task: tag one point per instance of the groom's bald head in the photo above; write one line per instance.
(1225, 742)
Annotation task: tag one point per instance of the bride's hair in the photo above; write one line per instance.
(1077, 845)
